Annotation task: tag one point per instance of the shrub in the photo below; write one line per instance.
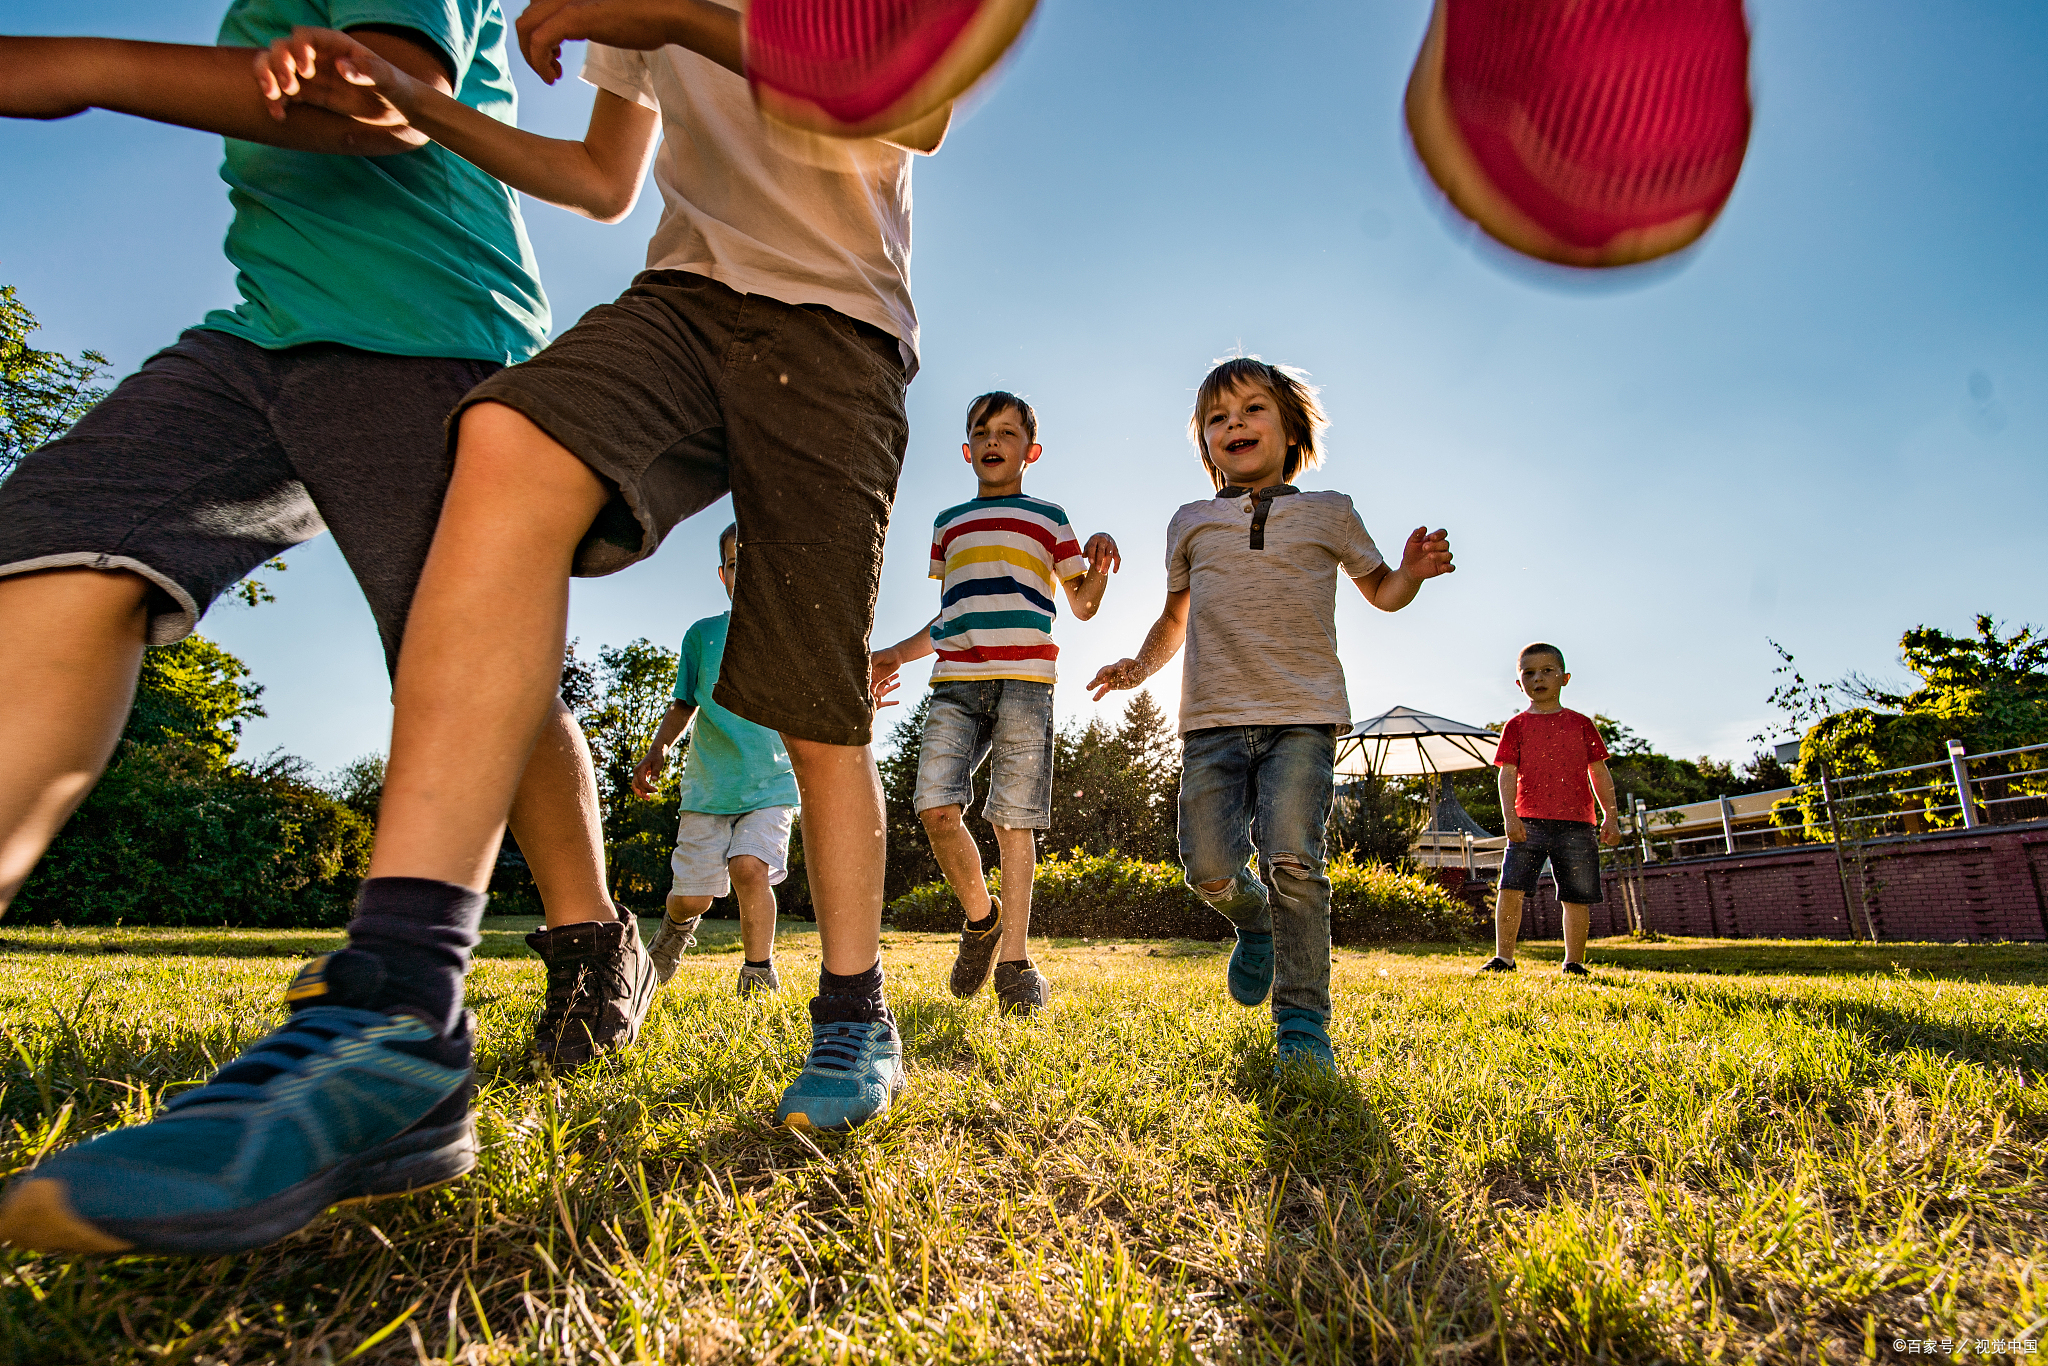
(173, 836)
(1081, 895)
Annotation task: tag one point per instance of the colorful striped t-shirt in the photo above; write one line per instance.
(1001, 561)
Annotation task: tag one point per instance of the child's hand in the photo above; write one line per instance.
(1517, 832)
(1103, 556)
(882, 679)
(332, 71)
(547, 24)
(1427, 554)
(1610, 830)
(647, 774)
(1125, 673)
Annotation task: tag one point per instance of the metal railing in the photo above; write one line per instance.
(1962, 791)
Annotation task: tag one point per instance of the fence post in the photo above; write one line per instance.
(1468, 855)
(1643, 828)
(1728, 824)
(1827, 798)
(1964, 797)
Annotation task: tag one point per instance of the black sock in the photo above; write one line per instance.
(1013, 963)
(857, 998)
(976, 925)
(760, 962)
(422, 932)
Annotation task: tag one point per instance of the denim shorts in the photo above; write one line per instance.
(1573, 851)
(1006, 721)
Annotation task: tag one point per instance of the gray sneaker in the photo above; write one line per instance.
(669, 946)
(977, 952)
(600, 984)
(1021, 988)
(753, 979)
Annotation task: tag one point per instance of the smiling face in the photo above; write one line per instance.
(1245, 438)
(999, 448)
(1542, 679)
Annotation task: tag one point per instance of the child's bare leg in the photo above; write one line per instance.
(75, 638)
(1577, 921)
(845, 848)
(1019, 850)
(482, 659)
(687, 908)
(555, 819)
(1507, 923)
(959, 858)
(757, 906)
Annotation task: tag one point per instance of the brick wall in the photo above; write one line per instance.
(1977, 884)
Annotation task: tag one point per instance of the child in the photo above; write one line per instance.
(738, 799)
(766, 353)
(375, 293)
(1546, 756)
(997, 558)
(1251, 578)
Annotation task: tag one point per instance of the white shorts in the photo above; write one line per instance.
(706, 841)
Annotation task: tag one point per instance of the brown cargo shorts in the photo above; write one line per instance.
(686, 389)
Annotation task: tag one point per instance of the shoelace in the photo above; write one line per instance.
(838, 1045)
(310, 1031)
(571, 993)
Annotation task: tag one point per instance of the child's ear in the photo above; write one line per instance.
(967, 452)
(1031, 456)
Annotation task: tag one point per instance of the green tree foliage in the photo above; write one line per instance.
(179, 833)
(41, 392)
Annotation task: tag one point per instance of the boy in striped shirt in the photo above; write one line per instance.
(999, 558)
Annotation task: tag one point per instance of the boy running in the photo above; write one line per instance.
(1551, 763)
(997, 559)
(1251, 579)
(375, 293)
(765, 352)
(738, 801)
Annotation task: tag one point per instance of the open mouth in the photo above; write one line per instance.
(991, 460)
(1241, 444)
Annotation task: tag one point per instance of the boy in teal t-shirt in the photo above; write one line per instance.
(739, 799)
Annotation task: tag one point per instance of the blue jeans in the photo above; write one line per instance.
(1008, 722)
(1265, 789)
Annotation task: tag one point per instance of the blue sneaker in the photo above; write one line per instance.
(855, 1069)
(1302, 1041)
(341, 1104)
(1251, 967)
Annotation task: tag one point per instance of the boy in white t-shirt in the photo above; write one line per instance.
(1251, 588)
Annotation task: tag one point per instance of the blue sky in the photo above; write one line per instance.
(1825, 424)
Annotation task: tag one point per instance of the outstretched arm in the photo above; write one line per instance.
(647, 773)
(1085, 590)
(1162, 642)
(1427, 555)
(598, 176)
(207, 88)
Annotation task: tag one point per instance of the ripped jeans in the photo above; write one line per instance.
(1264, 788)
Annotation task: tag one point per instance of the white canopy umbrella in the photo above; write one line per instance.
(1402, 742)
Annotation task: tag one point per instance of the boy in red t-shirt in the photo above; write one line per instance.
(1546, 758)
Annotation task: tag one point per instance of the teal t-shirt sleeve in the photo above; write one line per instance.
(686, 667)
(452, 24)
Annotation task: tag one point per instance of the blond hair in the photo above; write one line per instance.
(1301, 415)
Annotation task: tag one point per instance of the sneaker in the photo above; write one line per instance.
(977, 951)
(1576, 970)
(753, 979)
(1300, 1040)
(671, 942)
(600, 984)
(854, 1070)
(1584, 134)
(341, 1104)
(877, 67)
(1498, 964)
(1251, 968)
(1021, 989)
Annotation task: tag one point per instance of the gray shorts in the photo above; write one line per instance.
(1008, 722)
(707, 842)
(218, 454)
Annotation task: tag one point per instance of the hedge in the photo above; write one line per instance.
(1087, 896)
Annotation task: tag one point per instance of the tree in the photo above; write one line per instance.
(1117, 787)
(41, 392)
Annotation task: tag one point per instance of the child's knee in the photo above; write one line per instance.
(941, 819)
(1295, 867)
(748, 873)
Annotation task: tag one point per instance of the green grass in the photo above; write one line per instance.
(1713, 1151)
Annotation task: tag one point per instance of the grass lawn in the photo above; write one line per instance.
(1711, 1151)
